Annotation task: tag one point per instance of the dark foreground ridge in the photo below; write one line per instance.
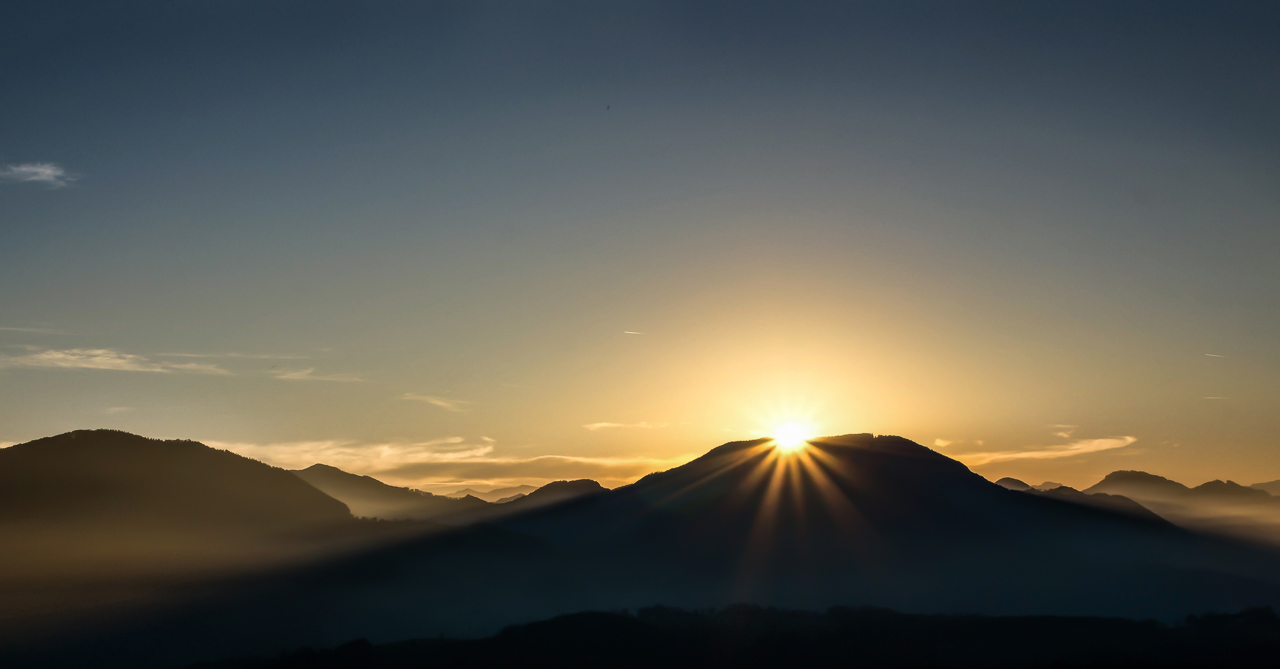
(749, 636)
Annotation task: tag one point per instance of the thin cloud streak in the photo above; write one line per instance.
(609, 426)
(1072, 449)
(33, 330)
(246, 356)
(49, 174)
(446, 461)
(103, 359)
(309, 374)
(445, 403)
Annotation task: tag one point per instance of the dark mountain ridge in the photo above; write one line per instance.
(112, 478)
(852, 520)
(370, 498)
(748, 636)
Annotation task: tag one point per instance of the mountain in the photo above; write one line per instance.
(1271, 487)
(1218, 507)
(111, 478)
(557, 492)
(1230, 491)
(1140, 486)
(91, 504)
(856, 520)
(493, 495)
(368, 497)
(1013, 484)
(1102, 500)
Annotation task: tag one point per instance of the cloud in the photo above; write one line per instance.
(309, 374)
(1215, 355)
(102, 358)
(49, 174)
(33, 330)
(1074, 448)
(447, 461)
(434, 400)
(607, 426)
(631, 333)
(1065, 431)
(115, 410)
(248, 356)
(942, 443)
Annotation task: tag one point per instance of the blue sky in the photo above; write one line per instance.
(280, 226)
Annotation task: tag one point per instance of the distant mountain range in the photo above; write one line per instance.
(370, 498)
(92, 504)
(1118, 503)
(496, 495)
(852, 520)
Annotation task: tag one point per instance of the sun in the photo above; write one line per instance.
(791, 437)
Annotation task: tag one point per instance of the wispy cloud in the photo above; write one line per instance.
(102, 358)
(248, 356)
(49, 174)
(448, 461)
(1074, 448)
(33, 330)
(608, 426)
(1065, 431)
(942, 443)
(309, 374)
(115, 410)
(358, 456)
(435, 400)
(631, 332)
(1215, 355)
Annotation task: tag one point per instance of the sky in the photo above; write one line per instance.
(498, 243)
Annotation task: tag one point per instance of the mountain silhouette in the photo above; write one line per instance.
(556, 492)
(1230, 491)
(853, 520)
(1140, 486)
(111, 478)
(1218, 507)
(1013, 484)
(494, 495)
(368, 497)
(1102, 500)
(1271, 487)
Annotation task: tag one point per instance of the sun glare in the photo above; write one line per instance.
(791, 437)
